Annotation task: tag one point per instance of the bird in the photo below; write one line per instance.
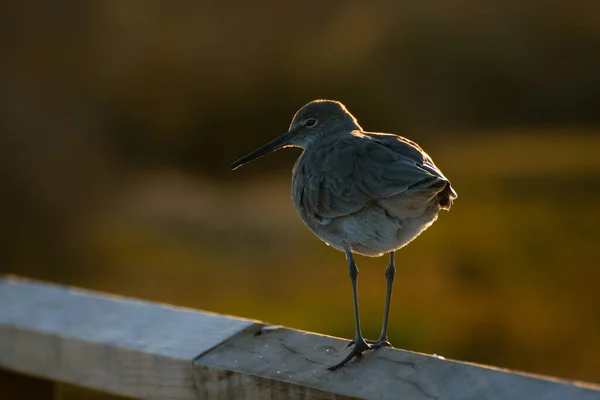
(360, 192)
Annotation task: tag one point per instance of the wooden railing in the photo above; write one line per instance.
(52, 335)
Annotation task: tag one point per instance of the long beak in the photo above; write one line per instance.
(276, 144)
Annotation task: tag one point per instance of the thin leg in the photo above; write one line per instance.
(390, 273)
(359, 342)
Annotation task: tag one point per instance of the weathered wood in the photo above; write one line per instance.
(15, 386)
(282, 363)
(147, 350)
(121, 346)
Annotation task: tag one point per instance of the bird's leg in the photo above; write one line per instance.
(360, 344)
(390, 273)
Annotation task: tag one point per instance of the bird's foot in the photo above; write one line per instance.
(374, 344)
(359, 347)
(381, 343)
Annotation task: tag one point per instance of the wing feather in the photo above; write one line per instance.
(364, 168)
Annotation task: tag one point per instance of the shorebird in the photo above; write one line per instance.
(360, 192)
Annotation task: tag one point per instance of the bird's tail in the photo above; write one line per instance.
(446, 197)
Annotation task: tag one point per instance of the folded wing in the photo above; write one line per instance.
(367, 169)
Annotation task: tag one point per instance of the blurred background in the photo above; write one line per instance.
(119, 119)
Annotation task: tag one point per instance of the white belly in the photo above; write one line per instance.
(371, 231)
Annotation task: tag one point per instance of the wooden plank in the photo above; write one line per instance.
(280, 363)
(147, 350)
(122, 346)
(15, 386)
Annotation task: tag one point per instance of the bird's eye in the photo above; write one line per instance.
(311, 122)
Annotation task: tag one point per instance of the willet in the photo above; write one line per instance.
(360, 192)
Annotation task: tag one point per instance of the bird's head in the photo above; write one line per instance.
(313, 121)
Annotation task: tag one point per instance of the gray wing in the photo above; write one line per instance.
(388, 170)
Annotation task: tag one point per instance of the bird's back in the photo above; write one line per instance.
(420, 159)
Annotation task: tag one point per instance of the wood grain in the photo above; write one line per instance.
(117, 345)
(276, 362)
